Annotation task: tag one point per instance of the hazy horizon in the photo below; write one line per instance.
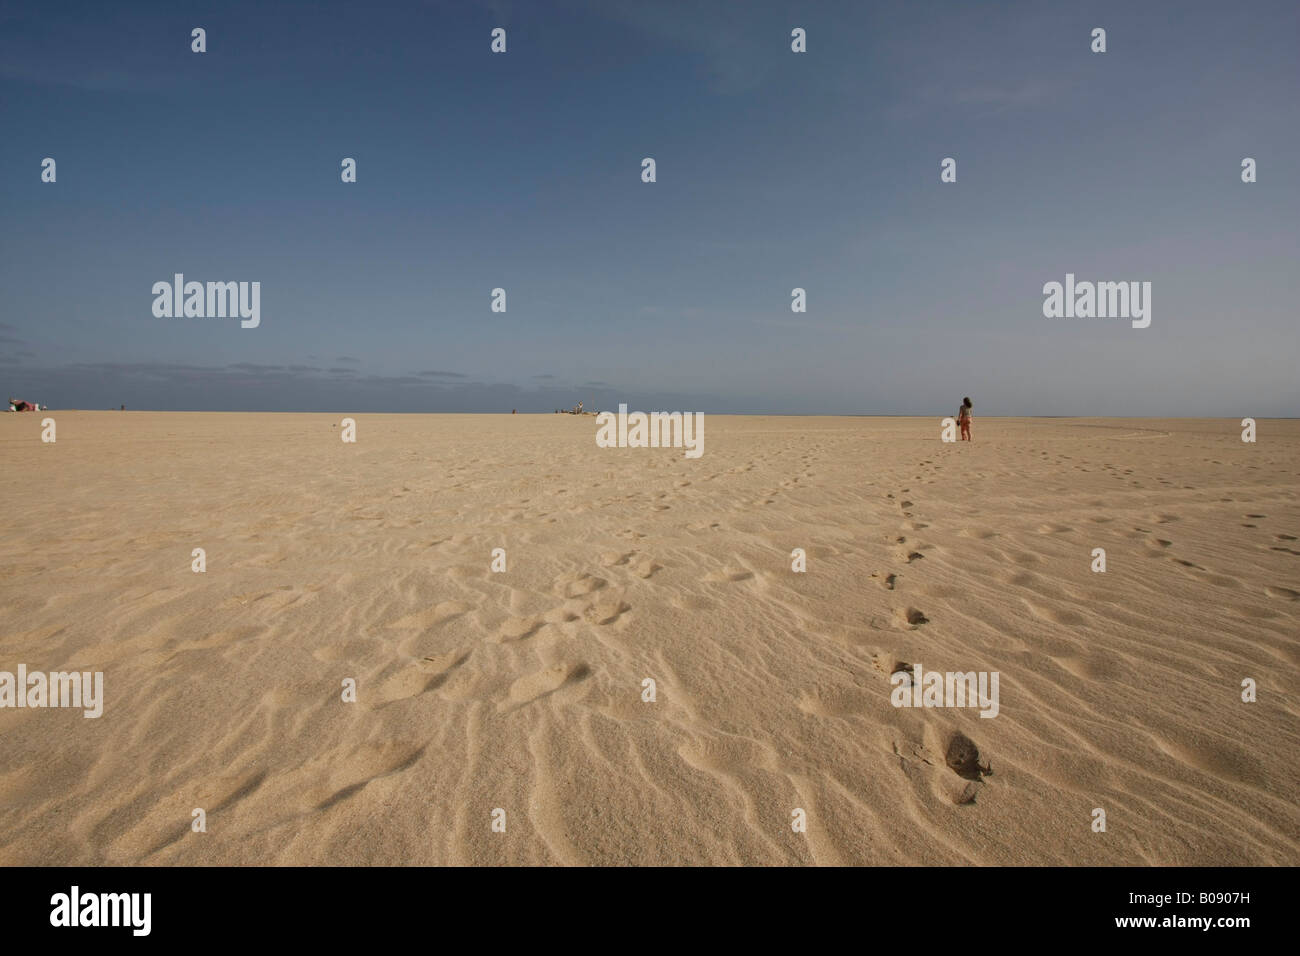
(774, 170)
(1233, 422)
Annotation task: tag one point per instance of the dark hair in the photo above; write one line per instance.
(966, 402)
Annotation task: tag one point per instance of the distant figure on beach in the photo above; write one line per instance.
(963, 417)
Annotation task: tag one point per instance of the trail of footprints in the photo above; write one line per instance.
(960, 754)
(907, 617)
(1161, 547)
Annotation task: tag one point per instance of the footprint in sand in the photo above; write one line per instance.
(606, 612)
(963, 758)
(900, 667)
(546, 681)
(581, 585)
(646, 568)
(911, 616)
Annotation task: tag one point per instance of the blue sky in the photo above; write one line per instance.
(775, 170)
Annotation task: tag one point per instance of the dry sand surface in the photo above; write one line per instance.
(522, 690)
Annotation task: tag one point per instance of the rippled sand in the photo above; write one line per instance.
(523, 690)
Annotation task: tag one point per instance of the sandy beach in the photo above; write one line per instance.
(522, 690)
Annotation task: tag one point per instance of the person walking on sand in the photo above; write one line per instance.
(963, 417)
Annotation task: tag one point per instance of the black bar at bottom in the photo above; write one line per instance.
(900, 906)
